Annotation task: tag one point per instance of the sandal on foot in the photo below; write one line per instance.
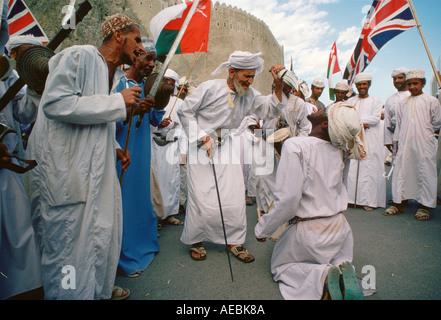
(134, 275)
(174, 221)
(198, 249)
(422, 214)
(352, 290)
(119, 293)
(241, 253)
(333, 284)
(249, 201)
(392, 210)
(367, 208)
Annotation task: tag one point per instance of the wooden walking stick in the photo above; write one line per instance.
(127, 141)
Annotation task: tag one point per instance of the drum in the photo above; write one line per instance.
(278, 138)
(163, 94)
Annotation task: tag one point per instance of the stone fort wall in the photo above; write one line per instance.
(231, 29)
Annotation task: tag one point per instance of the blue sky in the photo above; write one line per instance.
(308, 28)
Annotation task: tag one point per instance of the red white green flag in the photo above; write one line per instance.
(166, 24)
(333, 68)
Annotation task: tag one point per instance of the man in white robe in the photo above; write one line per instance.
(20, 256)
(311, 195)
(390, 107)
(294, 116)
(166, 153)
(221, 105)
(79, 200)
(415, 175)
(365, 182)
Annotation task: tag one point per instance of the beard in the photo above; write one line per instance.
(240, 90)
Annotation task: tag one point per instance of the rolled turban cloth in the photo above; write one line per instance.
(115, 22)
(148, 44)
(242, 60)
(289, 77)
(17, 41)
(362, 77)
(346, 130)
(399, 71)
(303, 87)
(417, 73)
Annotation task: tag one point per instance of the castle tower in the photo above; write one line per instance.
(231, 29)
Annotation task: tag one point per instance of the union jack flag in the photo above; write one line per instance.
(385, 20)
(22, 22)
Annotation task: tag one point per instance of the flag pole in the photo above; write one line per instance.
(412, 8)
(170, 55)
(186, 78)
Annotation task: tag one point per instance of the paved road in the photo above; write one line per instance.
(405, 253)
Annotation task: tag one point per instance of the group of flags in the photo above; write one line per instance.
(385, 20)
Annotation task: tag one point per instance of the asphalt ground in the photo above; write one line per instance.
(401, 257)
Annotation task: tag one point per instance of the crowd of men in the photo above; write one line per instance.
(94, 124)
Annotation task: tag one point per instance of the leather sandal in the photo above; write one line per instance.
(241, 253)
(198, 249)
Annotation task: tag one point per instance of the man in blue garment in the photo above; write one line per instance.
(140, 234)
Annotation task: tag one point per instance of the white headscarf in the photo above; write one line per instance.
(362, 77)
(169, 73)
(346, 130)
(17, 41)
(242, 60)
(399, 71)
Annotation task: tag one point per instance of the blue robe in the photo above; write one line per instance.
(140, 234)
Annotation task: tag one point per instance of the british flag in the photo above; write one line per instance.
(385, 20)
(22, 22)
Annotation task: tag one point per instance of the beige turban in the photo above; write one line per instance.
(346, 130)
(115, 22)
(342, 85)
(362, 77)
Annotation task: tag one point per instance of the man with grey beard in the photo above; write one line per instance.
(210, 117)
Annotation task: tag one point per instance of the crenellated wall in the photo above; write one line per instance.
(231, 29)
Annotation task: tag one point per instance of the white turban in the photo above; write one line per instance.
(148, 44)
(342, 85)
(242, 60)
(17, 41)
(399, 71)
(289, 77)
(362, 77)
(169, 73)
(417, 73)
(318, 83)
(346, 130)
(303, 87)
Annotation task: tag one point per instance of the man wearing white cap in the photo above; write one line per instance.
(415, 175)
(213, 111)
(316, 249)
(317, 87)
(169, 149)
(341, 90)
(390, 107)
(365, 182)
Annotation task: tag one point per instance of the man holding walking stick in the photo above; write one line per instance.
(209, 116)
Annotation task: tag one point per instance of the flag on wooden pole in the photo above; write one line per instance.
(166, 24)
(333, 68)
(385, 20)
